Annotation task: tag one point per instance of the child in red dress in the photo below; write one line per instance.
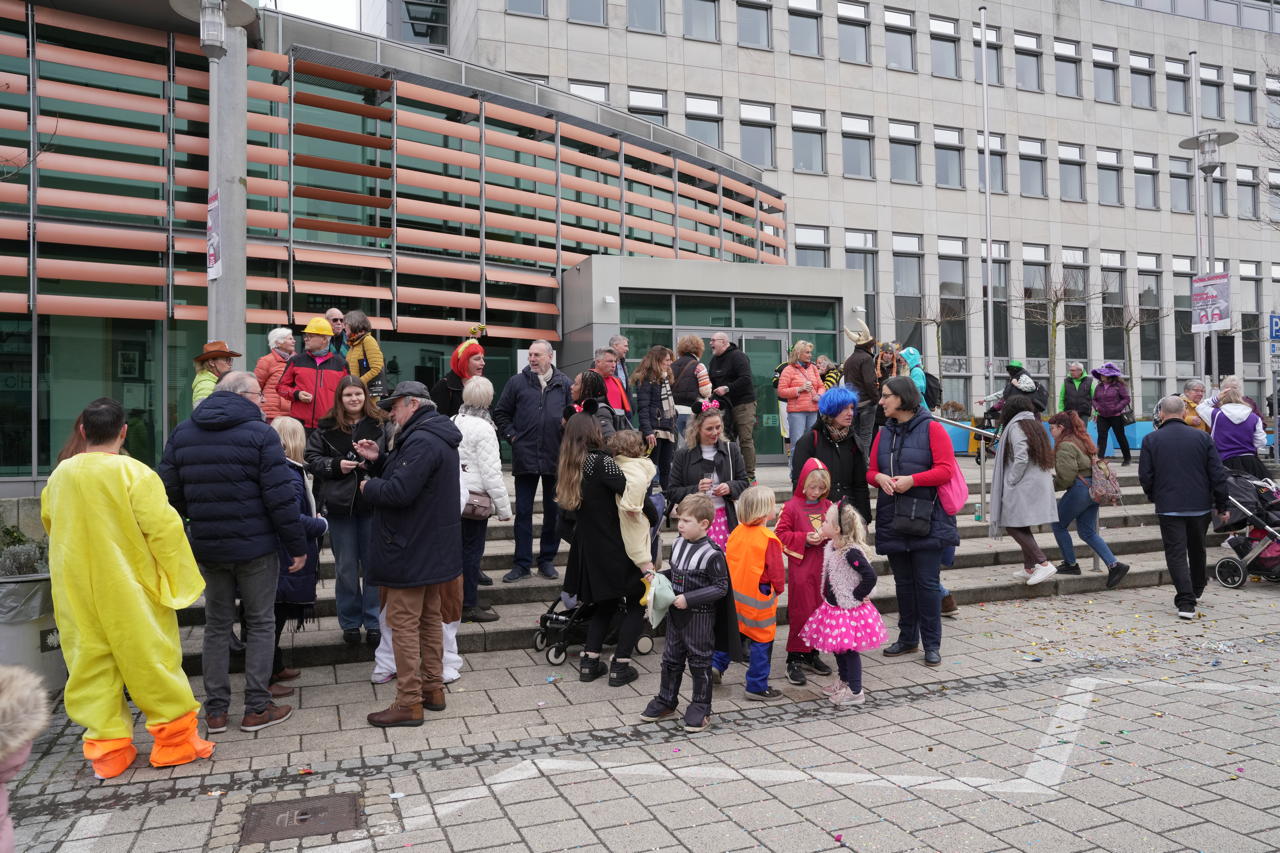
(799, 527)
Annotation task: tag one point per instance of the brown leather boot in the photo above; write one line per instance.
(397, 717)
(434, 700)
(949, 607)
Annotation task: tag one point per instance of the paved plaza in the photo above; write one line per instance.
(1085, 722)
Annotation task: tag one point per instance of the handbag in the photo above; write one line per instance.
(912, 514)
(954, 493)
(1127, 415)
(479, 506)
(1104, 488)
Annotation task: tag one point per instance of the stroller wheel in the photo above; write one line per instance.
(1230, 572)
(539, 640)
(644, 645)
(557, 655)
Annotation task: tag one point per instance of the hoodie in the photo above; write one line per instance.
(1236, 430)
(639, 472)
(912, 357)
(799, 517)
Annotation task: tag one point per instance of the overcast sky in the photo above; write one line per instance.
(343, 13)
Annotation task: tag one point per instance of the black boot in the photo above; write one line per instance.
(591, 668)
(621, 672)
(664, 704)
(697, 715)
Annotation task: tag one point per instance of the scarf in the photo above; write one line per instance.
(837, 434)
(476, 412)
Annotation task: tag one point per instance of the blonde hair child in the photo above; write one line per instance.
(628, 449)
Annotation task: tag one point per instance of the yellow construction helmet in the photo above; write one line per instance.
(318, 326)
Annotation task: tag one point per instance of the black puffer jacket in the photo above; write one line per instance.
(649, 407)
(337, 494)
(689, 467)
(224, 470)
(447, 394)
(732, 369)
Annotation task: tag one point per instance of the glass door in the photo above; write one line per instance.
(766, 350)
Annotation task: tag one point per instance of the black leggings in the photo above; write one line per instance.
(849, 664)
(628, 629)
(1116, 425)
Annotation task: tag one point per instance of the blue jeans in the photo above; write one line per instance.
(526, 488)
(473, 539)
(798, 423)
(357, 598)
(1076, 505)
(919, 597)
(758, 655)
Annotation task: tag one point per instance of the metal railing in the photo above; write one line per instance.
(982, 459)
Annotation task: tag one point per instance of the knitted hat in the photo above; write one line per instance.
(461, 359)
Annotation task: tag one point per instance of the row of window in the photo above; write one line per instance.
(1251, 14)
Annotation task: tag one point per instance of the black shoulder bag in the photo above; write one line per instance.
(913, 510)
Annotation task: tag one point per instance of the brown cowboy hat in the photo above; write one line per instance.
(216, 349)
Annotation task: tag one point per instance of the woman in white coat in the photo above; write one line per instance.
(1022, 486)
(482, 473)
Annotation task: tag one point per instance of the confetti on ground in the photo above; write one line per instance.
(1033, 658)
(552, 679)
(215, 793)
(305, 771)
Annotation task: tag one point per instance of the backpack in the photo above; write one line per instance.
(932, 391)
(1105, 488)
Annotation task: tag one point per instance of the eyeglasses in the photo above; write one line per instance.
(257, 394)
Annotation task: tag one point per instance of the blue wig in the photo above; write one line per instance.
(837, 400)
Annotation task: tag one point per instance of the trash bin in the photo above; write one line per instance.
(28, 634)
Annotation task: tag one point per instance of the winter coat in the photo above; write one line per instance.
(688, 467)
(224, 471)
(447, 394)
(318, 376)
(791, 387)
(649, 408)
(618, 395)
(1039, 394)
(639, 473)
(1069, 464)
(417, 523)
(337, 494)
(799, 518)
(268, 370)
(1076, 395)
(845, 461)
(1235, 429)
(860, 373)
(1110, 399)
(598, 568)
(1192, 417)
(732, 369)
(300, 587)
(1180, 470)
(1021, 491)
(529, 416)
(202, 386)
(611, 420)
(914, 360)
(24, 713)
(364, 359)
(690, 382)
(481, 461)
(921, 448)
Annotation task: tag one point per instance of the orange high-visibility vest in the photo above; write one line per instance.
(745, 552)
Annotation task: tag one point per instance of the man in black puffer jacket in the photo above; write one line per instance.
(224, 471)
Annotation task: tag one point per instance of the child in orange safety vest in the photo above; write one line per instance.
(758, 577)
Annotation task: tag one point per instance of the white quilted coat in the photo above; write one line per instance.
(481, 462)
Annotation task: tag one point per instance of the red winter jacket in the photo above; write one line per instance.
(317, 375)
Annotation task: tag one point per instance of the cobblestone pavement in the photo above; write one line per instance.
(1059, 724)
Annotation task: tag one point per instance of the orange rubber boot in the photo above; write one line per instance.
(178, 742)
(110, 757)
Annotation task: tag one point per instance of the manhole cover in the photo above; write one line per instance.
(266, 822)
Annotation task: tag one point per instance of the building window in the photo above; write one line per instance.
(1026, 58)
(1273, 100)
(1075, 313)
(702, 19)
(1145, 169)
(858, 143)
(1142, 80)
(811, 246)
(1149, 304)
(995, 75)
(998, 185)
(1250, 289)
(806, 27)
(1071, 172)
(1184, 341)
(1066, 68)
(702, 119)
(1273, 180)
(952, 319)
(907, 283)
(1211, 91)
(644, 15)
(949, 157)
(1181, 190)
(1245, 95)
(426, 21)
(592, 91)
(1035, 290)
(1110, 177)
(1106, 85)
(904, 152)
(1246, 192)
(944, 47)
(757, 133)
(1175, 84)
(899, 40)
(753, 26)
(1031, 167)
(852, 27)
(587, 12)
(648, 104)
(860, 255)
(1114, 331)
(999, 267)
(528, 7)
(808, 141)
(1218, 193)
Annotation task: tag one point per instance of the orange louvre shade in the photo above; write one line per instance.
(92, 235)
(95, 306)
(443, 183)
(13, 9)
(13, 84)
(329, 288)
(519, 118)
(431, 124)
(693, 169)
(260, 219)
(364, 140)
(431, 210)
(507, 194)
(518, 143)
(593, 187)
(268, 124)
(699, 193)
(500, 304)
(55, 126)
(443, 298)
(496, 273)
(738, 207)
(101, 272)
(519, 224)
(738, 228)
(343, 259)
(340, 227)
(13, 265)
(652, 180)
(13, 229)
(516, 332)
(686, 212)
(330, 165)
(587, 211)
(259, 316)
(642, 153)
(265, 154)
(13, 46)
(503, 249)
(739, 249)
(266, 59)
(13, 303)
(101, 202)
(774, 220)
(700, 238)
(652, 227)
(771, 259)
(266, 284)
(520, 170)
(266, 186)
(190, 278)
(771, 239)
(267, 92)
(269, 251)
(99, 166)
(577, 158)
(118, 65)
(649, 202)
(738, 187)
(650, 249)
(437, 268)
(590, 137)
(340, 197)
(428, 326)
(438, 240)
(437, 97)
(595, 238)
(773, 202)
(437, 154)
(104, 29)
(342, 75)
(11, 192)
(339, 105)
(102, 97)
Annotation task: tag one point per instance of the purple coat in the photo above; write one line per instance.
(1110, 399)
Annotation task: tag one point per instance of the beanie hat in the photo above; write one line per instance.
(461, 359)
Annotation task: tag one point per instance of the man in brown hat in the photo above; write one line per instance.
(211, 365)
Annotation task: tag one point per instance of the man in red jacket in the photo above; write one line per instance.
(606, 364)
(310, 380)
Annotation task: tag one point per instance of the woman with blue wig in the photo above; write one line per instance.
(831, 440)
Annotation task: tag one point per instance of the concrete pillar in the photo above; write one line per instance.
(228, 134)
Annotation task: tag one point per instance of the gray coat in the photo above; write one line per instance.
(1021, 492)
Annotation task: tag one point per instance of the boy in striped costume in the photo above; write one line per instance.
(700, 578)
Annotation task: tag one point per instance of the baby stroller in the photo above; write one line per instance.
(558, 629)
(1254, 518)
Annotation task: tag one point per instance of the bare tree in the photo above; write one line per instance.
(1267, 138)
(1048, 308)
(937, 312)
(1134, 318)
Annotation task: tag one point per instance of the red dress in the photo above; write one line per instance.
(804, 561)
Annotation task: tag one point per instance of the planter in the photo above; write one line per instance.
(28, 634)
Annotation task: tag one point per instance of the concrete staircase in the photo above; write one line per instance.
(982, 572)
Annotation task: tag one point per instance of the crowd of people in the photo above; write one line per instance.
(403, 484)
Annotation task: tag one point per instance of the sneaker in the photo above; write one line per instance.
(479, 614)
(396, 717)
(1068, 568)
(949, 607)
(716, 676)
(1186, 614)
(548, 571)
(795, 674)
(814, 664)
(655, 711)
(268, 716)
(373, 637)
(351, 636)
(766, 695)
(484, 579)
(215, 724)
(449, 676)
(589, 669)
(1043, 572)
(834, 687)
(846, 698)
(1021, 575)
(1115, 574)
(382, 677)
(698, 725)
(279, 691)
(515, 575)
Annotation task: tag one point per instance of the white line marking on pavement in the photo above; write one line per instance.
(1060, 738)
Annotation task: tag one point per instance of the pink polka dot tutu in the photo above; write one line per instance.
(834, 629)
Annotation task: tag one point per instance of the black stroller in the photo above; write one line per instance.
(1254, 520)
(565, 624)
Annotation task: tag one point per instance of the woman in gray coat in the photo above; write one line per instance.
(1022, 486)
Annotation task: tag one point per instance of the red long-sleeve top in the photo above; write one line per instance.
(944, 456)
(775, 573)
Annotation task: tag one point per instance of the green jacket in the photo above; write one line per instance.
(1070, 462)
(202, 386)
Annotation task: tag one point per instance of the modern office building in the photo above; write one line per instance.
(868, 118)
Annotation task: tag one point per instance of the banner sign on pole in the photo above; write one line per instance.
(213, 233)
(1211, 303)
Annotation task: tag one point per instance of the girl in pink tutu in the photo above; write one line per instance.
(846, 622)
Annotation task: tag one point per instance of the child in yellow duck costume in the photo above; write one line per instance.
(120, 566)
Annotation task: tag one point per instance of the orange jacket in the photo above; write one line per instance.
(791, 387)
(749, 549)
(269, 369)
